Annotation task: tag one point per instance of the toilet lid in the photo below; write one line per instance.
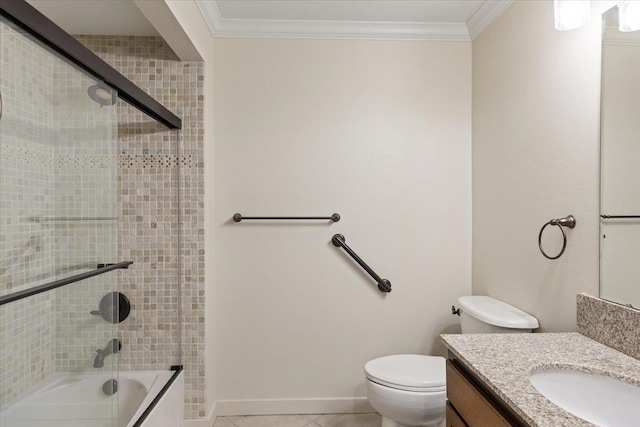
(412, 372)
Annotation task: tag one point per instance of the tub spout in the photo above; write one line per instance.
(112, 347)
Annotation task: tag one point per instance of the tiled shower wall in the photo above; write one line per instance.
(150, 220)
(57, 161)
(86, 212)
(27, 248)
(49, 125)
(58, 167)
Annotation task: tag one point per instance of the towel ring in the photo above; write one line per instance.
(569, 222)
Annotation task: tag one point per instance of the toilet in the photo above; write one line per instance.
(409, 390)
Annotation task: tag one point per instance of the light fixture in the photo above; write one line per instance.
(571, 14)
(628, 16)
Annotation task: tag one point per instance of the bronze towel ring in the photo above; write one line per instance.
(569, 222)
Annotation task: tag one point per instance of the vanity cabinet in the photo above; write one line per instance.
(471, 404)
(453, 419)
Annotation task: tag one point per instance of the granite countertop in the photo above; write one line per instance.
(504, 362)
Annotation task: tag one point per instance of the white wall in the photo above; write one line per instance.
(376, 131)
(536, 157)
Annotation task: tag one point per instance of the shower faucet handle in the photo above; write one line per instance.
(114, 307)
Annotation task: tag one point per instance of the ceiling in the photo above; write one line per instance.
(106, 17)
(349, 10)
(456, 20)
(450, 20)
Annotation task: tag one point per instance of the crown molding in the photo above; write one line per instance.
(487, 13)
(355, 30)
(290, 29)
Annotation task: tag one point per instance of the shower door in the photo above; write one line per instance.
(58, 220)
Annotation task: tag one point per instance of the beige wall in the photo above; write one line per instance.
(293, 319)
(377, 131)
(535, 157)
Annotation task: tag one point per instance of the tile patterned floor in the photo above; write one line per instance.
(328, 420)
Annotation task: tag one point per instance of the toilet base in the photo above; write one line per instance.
(387, 422)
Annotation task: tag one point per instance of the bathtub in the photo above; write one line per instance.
(78, 401)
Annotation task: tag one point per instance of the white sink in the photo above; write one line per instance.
(601, 400)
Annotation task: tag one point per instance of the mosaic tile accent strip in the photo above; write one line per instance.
(611, 324)
(13, 154)
(148, 231)
(151, 161)
(85, 161)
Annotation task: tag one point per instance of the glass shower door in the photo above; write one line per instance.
(58, 220)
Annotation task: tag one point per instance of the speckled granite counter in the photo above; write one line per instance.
(504, 361)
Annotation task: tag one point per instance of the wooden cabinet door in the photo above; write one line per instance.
(470, 402)
(453, 419)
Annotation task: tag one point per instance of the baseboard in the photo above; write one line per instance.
(292, 406)
(224, 408)
(204, 422)
(208, 421)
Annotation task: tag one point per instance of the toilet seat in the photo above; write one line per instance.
(409, 372)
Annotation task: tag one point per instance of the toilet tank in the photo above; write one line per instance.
(486, 315)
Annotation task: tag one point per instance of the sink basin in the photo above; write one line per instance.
(601, 400)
